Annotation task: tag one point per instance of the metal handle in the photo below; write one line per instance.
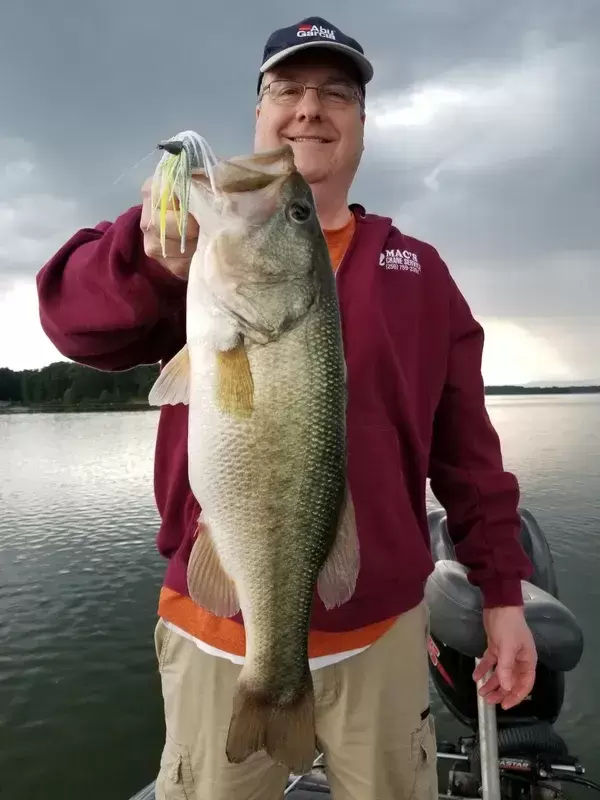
(488, 745)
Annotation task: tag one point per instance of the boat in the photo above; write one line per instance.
(508, 755)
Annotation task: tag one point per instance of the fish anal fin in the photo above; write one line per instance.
(208, 583)
(235, 387)
(173, 384)
(337, 579)
(285, 730)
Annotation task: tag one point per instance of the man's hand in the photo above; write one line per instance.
(511, 650)
(176, 262)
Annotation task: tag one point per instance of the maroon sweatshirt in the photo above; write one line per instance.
(415, 410)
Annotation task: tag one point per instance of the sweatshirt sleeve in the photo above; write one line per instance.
(105, 304)
(467, 474)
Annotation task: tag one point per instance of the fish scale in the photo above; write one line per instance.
(294, 441)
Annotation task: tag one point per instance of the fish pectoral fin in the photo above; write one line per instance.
(235, 387)
(173, 384)
(208, 583)
(337, 579)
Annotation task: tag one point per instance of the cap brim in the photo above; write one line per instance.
(362, 63)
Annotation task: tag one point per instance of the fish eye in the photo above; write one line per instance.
(299, 211)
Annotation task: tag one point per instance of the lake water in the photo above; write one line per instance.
(80, 704)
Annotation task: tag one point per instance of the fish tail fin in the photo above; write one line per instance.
(285, 730)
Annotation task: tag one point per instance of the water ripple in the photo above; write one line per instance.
(79, 580)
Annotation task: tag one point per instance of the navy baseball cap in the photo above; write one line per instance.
(313, 32)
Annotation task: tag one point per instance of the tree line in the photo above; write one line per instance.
(68, 385)
(65, 385)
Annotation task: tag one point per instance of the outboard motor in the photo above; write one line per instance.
(458, 638)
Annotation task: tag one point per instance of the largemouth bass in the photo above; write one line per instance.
(263, 374)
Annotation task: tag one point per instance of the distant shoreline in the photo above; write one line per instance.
(490, 390)
(140, 405)
(68, 387)
(56, 408)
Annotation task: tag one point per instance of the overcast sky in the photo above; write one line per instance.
(482, 138)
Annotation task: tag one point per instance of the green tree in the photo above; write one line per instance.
(69, 397)
(10, 385)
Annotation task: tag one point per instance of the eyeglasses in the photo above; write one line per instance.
(290, 93)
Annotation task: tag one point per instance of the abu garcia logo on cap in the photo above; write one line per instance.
(315, 30)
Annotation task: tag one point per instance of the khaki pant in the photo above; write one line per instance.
(368, 720)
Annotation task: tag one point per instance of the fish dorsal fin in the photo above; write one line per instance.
(208, 583)
(173, 384)
(337, 579)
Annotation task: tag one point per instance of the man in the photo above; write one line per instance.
(416, 408)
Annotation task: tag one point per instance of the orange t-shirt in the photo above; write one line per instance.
(338, 241)
(226, 636)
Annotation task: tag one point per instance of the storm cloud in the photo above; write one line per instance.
(481, 137)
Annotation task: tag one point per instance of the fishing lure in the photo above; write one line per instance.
(182, 154)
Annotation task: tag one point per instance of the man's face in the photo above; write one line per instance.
(327, 141)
